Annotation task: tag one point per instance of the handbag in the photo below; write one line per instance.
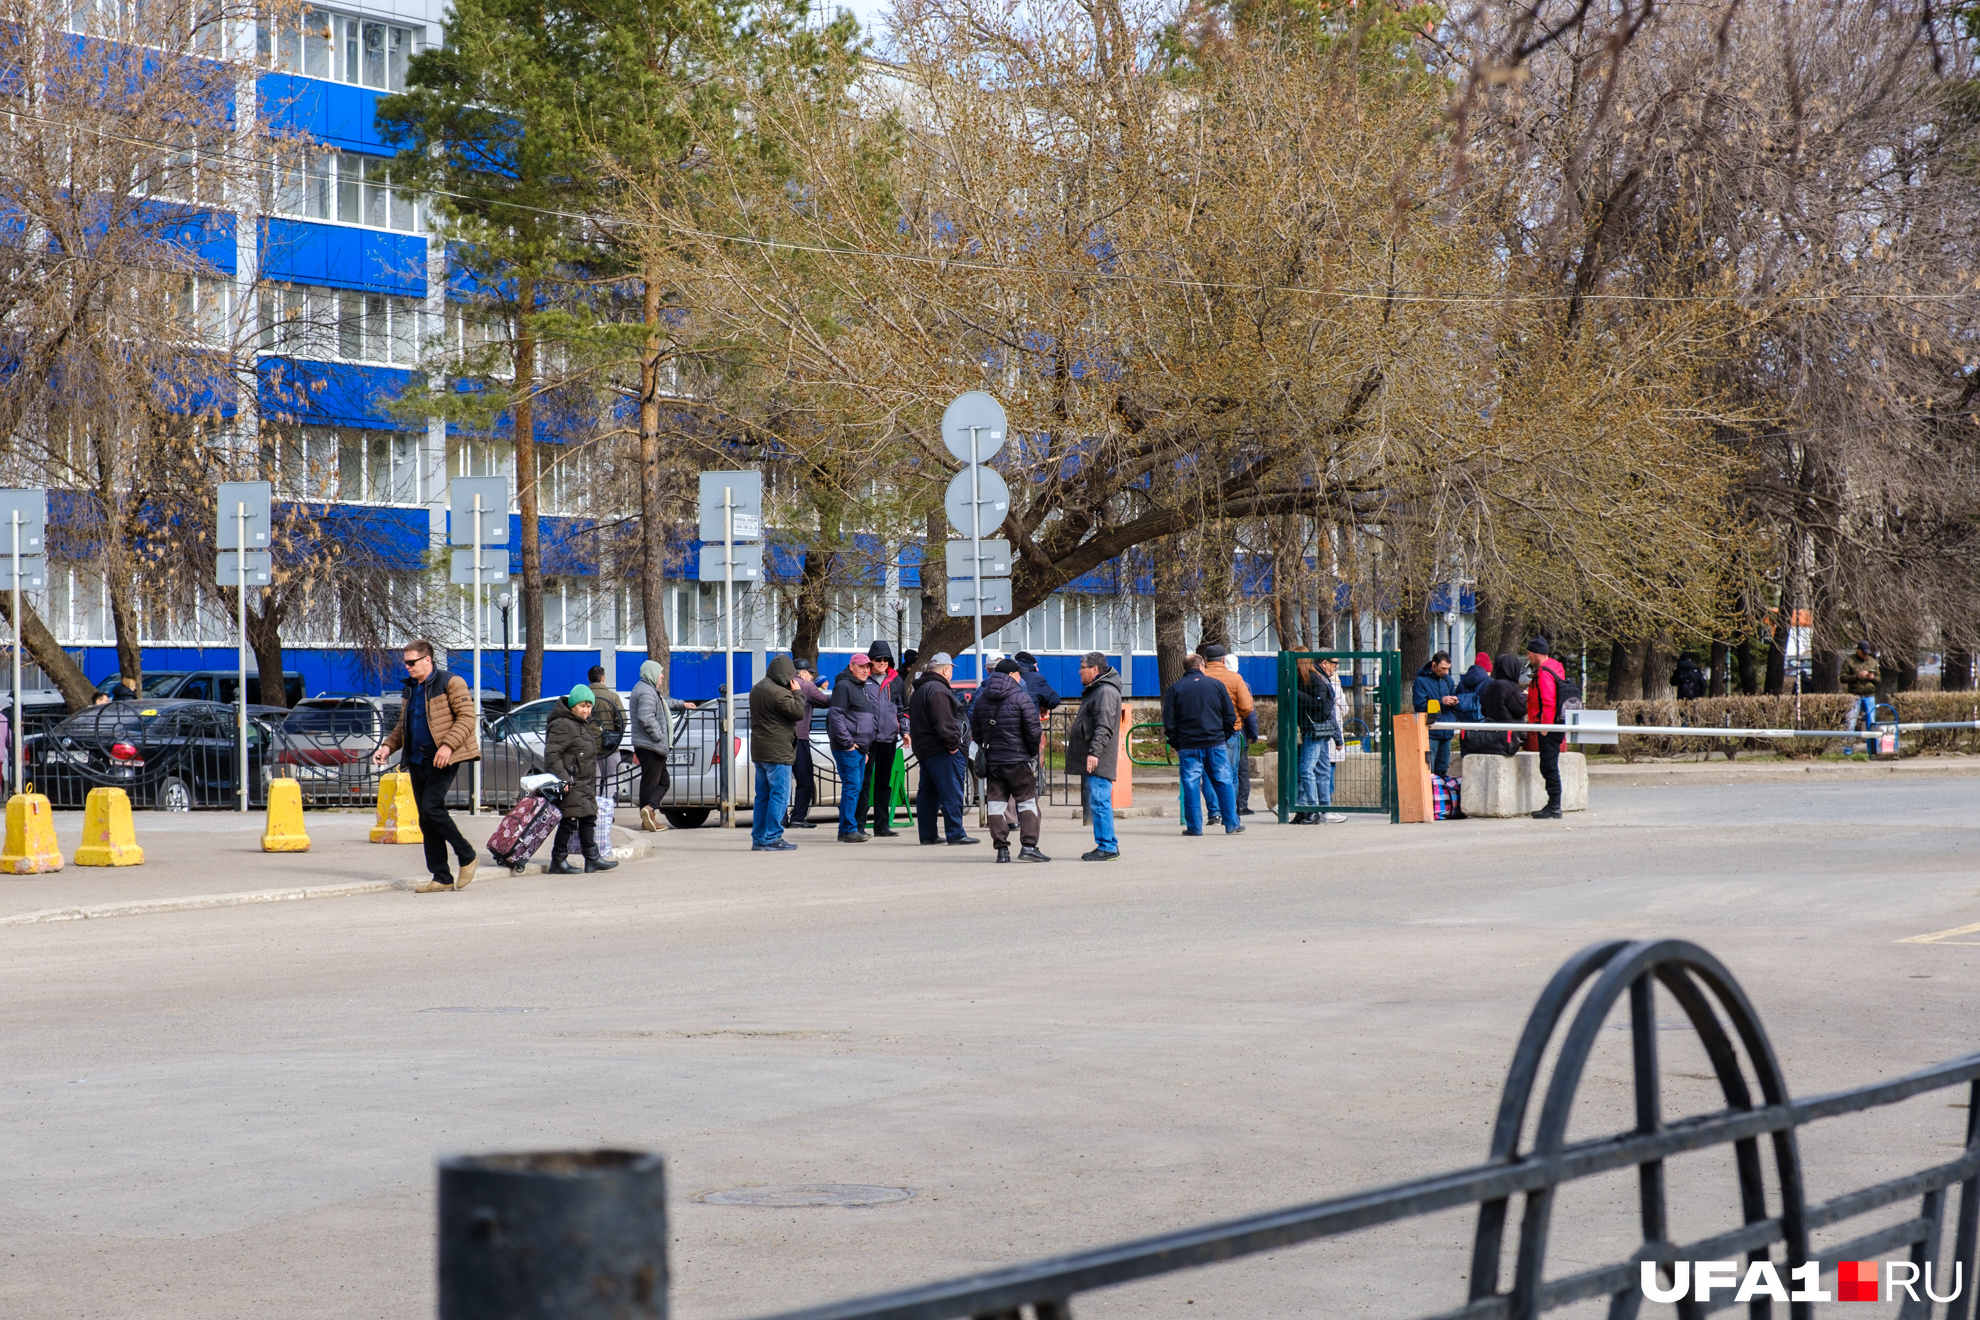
(1488, 742)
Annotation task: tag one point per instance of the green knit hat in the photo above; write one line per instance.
(579, 695)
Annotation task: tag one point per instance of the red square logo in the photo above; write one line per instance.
(1856, 1281)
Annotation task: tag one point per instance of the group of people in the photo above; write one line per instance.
(1209, 717)
(871, 708)
(1498, 690)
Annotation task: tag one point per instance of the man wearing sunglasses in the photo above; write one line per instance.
(436, 731)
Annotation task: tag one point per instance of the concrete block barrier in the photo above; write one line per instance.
(398, 812)
(284, 831)
(109, 837)
(30, 848)
(1507, 786)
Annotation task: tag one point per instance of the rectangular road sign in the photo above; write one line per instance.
(996, 558)
(996, 597)
(34, 572)
(260, 566)
(32, 505)
(749, 563)
(494, 492)
(745, 498)
(494, 565)
(258, 497)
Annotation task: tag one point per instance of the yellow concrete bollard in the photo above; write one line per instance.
(398, 812)
(285, 831)
(31, 848)
(108, 838)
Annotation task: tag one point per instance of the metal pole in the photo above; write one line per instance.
(729, 653)
(976, 583)
(20, 759)
(240, 708)
(474, 802)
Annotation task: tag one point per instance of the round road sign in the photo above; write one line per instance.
(976, 411)
(993, 499)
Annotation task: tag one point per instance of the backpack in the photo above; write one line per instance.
(1467, 706)
(1567, 698)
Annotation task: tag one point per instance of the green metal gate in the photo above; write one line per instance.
(1364, 778)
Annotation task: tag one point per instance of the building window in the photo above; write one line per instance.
(348, 188)
(318, 43)
(476, 456)
(203, 305)
(340, 325)
(349, 463)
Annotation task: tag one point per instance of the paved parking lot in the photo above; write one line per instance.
(235, 1112)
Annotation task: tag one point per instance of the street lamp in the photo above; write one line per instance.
(502, 603)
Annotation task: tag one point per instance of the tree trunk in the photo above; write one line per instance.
(1721, 655)
(814, 597)
(1412, 631)
(1170, 643)
(1777, 655)
(652, 523)
(523, 410)
(1625, 670)
(264, 629)
(44, 650)
(1747, 664)
(1907, 669)
(1956, 672)
(1485, 622)
(1217, 584)
(1655, 682)
(1510, 642)
(934, 579)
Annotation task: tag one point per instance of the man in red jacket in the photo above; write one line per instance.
(1543, 707)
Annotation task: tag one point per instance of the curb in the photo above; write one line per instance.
(195, 902)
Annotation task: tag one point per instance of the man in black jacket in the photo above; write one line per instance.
(1093, 751)
(890, 697)
(851, 719)
(1197, 718)
(779, 720)
(936, 735)
(1041, 689)
(1004, 721)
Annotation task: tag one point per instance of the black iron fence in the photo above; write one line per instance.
(1530, 1159)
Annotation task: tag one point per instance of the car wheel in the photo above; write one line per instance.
(173, 795)
(687, 818)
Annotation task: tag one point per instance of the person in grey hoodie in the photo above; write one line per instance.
(652, 734)
(1093, 750)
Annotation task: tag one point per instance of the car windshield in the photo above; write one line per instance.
(157, 683)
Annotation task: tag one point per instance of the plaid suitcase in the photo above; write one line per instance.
(523, 831)
(1445, 797)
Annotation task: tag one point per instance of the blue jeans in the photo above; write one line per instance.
(1206, 770)
(852, 773)
(773, 799)
(1233, 749)
(1097, 795)
(1316, 774)
(1440, 755)
(940, 797)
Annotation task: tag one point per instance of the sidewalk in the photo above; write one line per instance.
(214, 859)
(1776, 770)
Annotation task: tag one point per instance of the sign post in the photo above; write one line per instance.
(731, 510)
(26, 514)
(243, 520)
(973, 429)
(478, 518)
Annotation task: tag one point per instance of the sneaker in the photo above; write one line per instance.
(781, 845)
(1235, 829)
(1098, 855)
(1032, 855)
(1192, 834)
(1246, 811)
(965, 839)
(854, 837)
(1003, 854)
(433, 887)
(800, 824)
(1332, 818)
(1549, 812)
(885, 834)
(466, 877)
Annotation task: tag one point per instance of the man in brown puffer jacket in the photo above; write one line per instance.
(436, 731)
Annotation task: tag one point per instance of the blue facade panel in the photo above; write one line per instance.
(334, 113)
(332, 394)
(343, 257)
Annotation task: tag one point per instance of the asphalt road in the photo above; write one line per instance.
(236, 1112)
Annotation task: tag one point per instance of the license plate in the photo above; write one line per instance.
(681, 757)
(68, 758)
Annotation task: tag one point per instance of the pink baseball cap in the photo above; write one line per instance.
(860, 658)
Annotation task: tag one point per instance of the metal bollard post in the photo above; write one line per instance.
(556, 1235)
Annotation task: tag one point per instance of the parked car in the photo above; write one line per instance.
(170, 755)
(326, 743)
(694, 765)
(207, 685)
